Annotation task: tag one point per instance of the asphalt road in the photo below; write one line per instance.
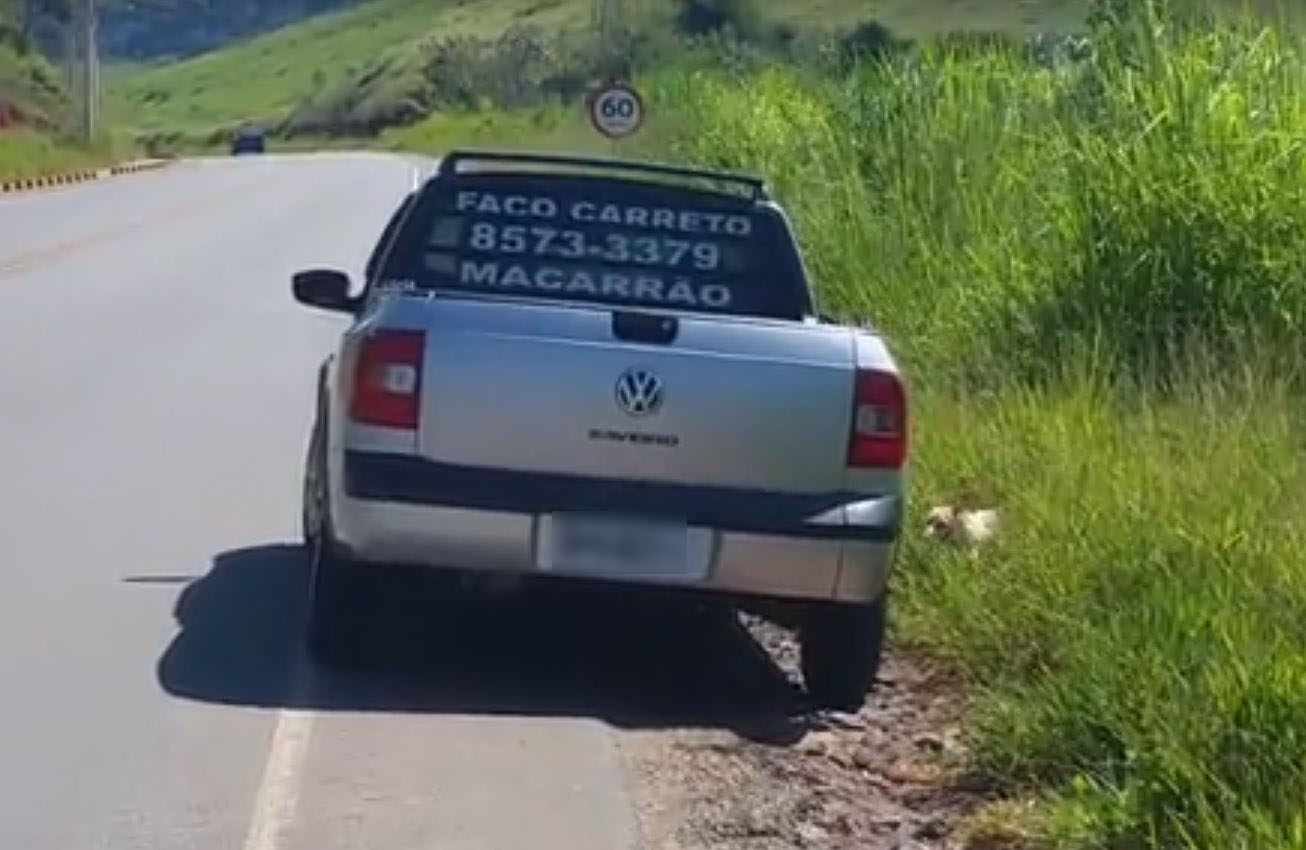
(155, 392)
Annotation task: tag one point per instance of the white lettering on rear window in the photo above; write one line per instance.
(479, 274)
(517, 276)
(665, 219)
(648, 288)
(592, 212)
(582, 282)
(616, 286)
(715, 295)
(519, 206)
(682, 293)
(645, 288)
(738, 225)
(550, 279)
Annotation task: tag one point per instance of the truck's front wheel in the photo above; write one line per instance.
(841, 648)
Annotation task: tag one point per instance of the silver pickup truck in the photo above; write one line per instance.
(607, 370)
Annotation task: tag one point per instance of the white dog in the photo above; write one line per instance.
(969, 528)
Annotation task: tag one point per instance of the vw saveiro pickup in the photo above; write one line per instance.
(608, 370)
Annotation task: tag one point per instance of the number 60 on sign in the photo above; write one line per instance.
(616, 110)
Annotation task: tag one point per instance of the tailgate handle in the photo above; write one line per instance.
(641, 327)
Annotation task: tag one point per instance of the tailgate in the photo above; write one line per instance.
(728, 402)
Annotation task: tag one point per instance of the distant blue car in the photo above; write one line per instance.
(248, 140)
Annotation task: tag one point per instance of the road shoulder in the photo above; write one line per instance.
(887, 778)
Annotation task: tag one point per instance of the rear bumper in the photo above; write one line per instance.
(397, 509)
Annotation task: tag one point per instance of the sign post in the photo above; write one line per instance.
(616, 110)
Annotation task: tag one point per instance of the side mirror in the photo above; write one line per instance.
(324, 288)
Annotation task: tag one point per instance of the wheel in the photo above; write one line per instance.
(339, 604)
(341, 592)
(841, 645)
(314, 495)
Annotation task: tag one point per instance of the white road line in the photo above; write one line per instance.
(277, 799)
(278, 793)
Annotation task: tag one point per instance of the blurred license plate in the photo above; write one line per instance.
(620, 547)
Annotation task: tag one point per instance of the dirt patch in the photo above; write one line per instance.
(886, 778)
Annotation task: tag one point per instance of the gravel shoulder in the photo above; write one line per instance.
(886, 778)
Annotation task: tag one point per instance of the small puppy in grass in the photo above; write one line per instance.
(969, 528)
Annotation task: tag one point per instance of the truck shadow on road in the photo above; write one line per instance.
(624, 657)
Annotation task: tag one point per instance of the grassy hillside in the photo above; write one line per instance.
(267, 77)
(379, 63)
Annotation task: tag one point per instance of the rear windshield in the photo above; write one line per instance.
(599, 240)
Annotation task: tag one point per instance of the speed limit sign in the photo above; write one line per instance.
(616, 110)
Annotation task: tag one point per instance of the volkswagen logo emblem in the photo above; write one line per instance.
(639, 392)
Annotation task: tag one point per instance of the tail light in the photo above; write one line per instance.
(879, 431)
(388, 379)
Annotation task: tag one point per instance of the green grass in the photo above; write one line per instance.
(1094, 276)
(552, 128)
(1135, 638)
(1026, 214)
(27, 153)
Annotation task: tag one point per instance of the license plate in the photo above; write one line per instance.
(620, 547)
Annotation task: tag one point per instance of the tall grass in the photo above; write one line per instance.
(1009, 214)
(1136, 636)
(1094, 272)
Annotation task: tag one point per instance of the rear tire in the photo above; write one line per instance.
(339, 605)
(341, 591)
(841, 648)
(313, 502)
